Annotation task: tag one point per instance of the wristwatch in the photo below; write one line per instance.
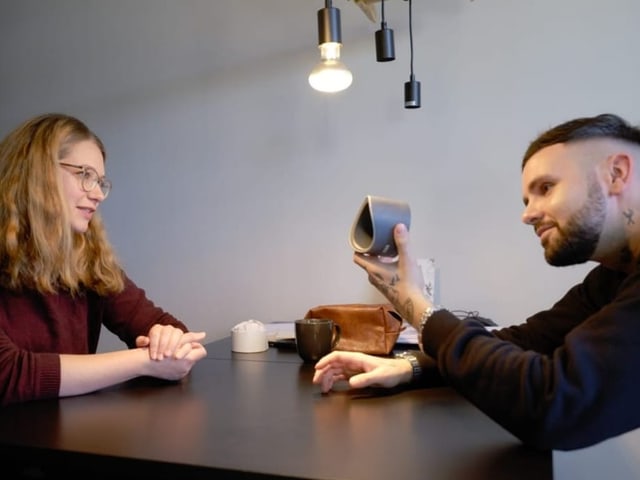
(416, 369)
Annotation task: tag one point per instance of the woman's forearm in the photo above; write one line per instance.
(80, 374)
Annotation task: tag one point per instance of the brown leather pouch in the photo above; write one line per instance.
(367, 328)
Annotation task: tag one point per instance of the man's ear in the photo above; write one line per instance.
(619, 169)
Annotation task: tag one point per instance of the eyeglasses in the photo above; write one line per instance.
(89, 178)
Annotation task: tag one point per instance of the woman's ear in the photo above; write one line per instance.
(619, 172)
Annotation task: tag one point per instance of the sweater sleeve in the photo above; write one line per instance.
(130, 314)
(565, 379)
(26, 375)
(35, 329)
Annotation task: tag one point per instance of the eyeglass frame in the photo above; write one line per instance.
(95, 180)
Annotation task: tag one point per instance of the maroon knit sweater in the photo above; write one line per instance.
(36, 328)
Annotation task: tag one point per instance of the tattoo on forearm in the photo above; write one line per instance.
(376, 280)
(629, 216)
(407, 311)
(386, 290)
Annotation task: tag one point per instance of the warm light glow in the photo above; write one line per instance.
(330, 75)
(330, 51)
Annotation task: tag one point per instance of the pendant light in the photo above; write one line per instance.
(330, 75)
(385, 49)
(412, 87)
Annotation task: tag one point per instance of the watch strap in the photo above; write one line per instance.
(416, 368)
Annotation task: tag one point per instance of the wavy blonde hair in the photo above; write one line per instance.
(38, 248)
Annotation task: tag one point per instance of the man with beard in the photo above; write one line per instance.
(566, 378)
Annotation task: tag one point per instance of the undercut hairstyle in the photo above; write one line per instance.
(606, 125)
(39, 250)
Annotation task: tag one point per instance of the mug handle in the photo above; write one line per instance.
(335, 338)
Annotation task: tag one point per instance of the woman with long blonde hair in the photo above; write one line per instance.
(60, 279)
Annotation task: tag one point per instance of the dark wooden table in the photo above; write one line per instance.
(259, 416)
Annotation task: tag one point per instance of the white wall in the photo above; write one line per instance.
(235, 183)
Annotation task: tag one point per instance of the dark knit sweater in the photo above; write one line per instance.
(35, 329)
(566, 378)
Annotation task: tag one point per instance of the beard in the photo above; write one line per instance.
(579, 237)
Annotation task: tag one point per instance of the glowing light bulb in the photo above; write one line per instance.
(330, 75)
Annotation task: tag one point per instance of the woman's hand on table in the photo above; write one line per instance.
(167, 341)
(178, 366)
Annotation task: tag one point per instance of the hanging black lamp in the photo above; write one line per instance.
(385, 48)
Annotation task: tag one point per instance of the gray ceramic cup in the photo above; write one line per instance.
(372, 229)
(316, 337)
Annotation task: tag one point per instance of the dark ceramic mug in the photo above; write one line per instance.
(316, 337)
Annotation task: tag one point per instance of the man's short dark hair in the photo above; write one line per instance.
(605, 125)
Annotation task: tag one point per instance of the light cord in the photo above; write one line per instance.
(410, 38)
(384, 22)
